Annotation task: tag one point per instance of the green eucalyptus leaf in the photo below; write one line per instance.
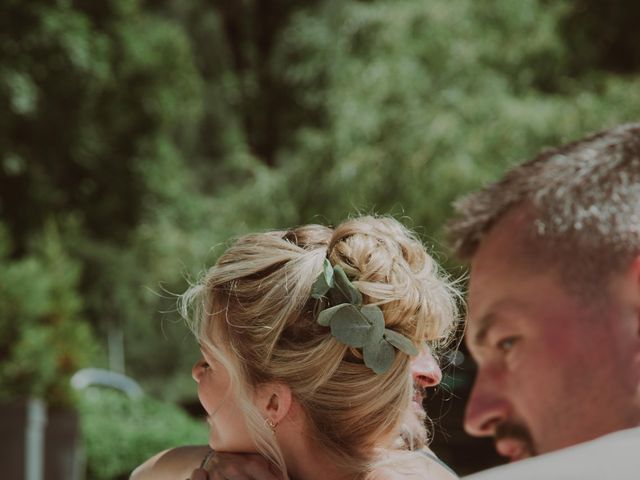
(324, 281)
(378, 355)
(325, 316)
(375, 317)
(319, 287)
(327, 269)
(400, 342)
(349, 326)
(343, 290)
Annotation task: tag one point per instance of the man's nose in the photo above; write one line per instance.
(425, 370)
(486, 409)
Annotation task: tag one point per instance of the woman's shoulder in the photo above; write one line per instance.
(173, 464)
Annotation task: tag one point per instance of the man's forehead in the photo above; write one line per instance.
(510, 236)
(505, 267)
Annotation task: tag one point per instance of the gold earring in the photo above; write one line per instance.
(271, 424)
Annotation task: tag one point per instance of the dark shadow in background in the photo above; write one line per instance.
(445, 406)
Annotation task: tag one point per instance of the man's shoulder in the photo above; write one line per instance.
(613, 454)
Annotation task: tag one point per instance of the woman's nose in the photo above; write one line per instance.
(425, 369)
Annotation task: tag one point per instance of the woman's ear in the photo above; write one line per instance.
(274, 401)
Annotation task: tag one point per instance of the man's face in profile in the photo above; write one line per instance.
(551, 368)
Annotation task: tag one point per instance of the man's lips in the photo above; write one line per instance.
(513, 440)
(512, 448)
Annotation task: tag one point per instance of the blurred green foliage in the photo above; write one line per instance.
(120, 433)
(44, 339)
(150, 131)
(98, 102)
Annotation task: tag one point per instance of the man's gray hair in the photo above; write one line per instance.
(584, 198)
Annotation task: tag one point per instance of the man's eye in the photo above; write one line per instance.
(507, 344)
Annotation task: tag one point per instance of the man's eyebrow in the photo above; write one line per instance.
(497, 313)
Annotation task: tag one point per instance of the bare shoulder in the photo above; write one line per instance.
(173, 464)
(422, 465)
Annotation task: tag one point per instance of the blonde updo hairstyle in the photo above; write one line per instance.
(256, 302)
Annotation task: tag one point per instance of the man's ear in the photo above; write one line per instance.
(634, 281)
(274, 401)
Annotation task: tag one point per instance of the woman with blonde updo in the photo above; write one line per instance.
(309, 339)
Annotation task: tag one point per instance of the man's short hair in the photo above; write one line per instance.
(584, 199)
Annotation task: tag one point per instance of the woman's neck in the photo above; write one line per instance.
(305, 460)
(314, 466)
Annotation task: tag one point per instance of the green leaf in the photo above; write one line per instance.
(343, 290)
(374, 316)
(324, 281)
(400, 342)
(325, 316)
(378, 355)
(350, 327)
(327, 269)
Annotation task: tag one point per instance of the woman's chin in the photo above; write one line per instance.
(218, 446)
(214, 439)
